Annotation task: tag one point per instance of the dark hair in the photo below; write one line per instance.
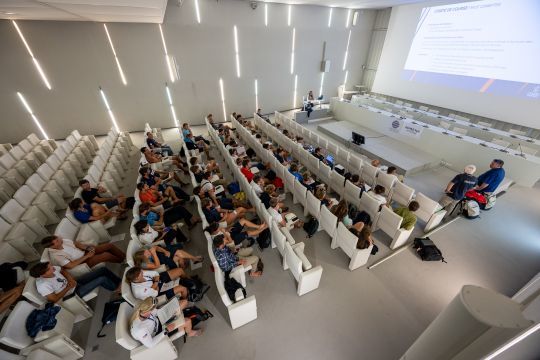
(391, 169)
(355, 178)
(75, 204)
(39, 269)
(379, 189)
(256, 178)
(218, 240)
(143, 171)
(194, 168)
(258, 136)
(205, 202)
(140, 186)
(143, 149)
(273, 202)
(207, 174)
(317, 149)
(414, 205)
(294, 167)
(132, 274)
(363, 237)
(197, 190)
(143, 207)
(212, 227)
(83, 181)
(245, 162)
(266, 146)
(139, 226)
(193, 160)
(48, 240)
(499, 161)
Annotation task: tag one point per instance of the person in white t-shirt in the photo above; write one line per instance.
(279, 217)
(146, 327)
(257, 184)
(378, 193)
(69, 253)
(145, 283)
(54, 283)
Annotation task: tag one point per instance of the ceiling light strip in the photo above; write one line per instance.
(30, 112)
(34, 60)
(237, 56)
(122, 76)
(289, 13)
(292, 49)
(294, 92)
(322, 83)
(347, 51)
(265, 14)
(256, 95)
(171, 106)
(348, 18)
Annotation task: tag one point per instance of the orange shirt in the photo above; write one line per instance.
(147, 197)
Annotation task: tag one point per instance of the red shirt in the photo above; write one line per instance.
(247, 173)
(147, 197)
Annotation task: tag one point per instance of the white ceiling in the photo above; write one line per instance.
(351, 4)
(140, 11)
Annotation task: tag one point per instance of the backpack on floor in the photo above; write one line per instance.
(130, 202)
(264, 239)
(427, 250)
(233, 188)
(231, 285)
(491, 199)
(471, 209)
(110, 312)
(196, 315)
(311, 227)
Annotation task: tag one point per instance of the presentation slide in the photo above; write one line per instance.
(477, 57)
(492, 42)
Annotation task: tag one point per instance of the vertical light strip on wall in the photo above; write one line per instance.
(170, 68)
(345, 80)
(355, 18)
(197, 12)
(294, 93)
(330, 17)
(223, 99)
(34, 60)
(122, 76)
(513, 342)
(236, 51)
(256, 95)
(348, 18)
(292, 49)
(322, 83)
(347, 51)
(29, 110)
(265, 14)
(111, 115)
(171, 106)
(289, 15)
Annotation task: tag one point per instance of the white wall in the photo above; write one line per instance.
(77, 59)
(389, 81)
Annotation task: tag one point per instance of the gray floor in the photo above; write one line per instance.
(364, 314)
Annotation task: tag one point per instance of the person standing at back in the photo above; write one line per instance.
(457, 187)
(489, 181)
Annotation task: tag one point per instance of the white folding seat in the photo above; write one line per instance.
(110, 178)
(355, 164)
(390, 223)
(323, 143)
(328, 221)
(51, 188)
(21, 238)
(433, 111)
(388, 181)
(33, 217)
(527, 150)
(279, 239)
(75, 305)
(48, 174)
(347, 241)
(445, 125)
(37, 354)
(399, 102)
(58, 161)
(75, 159)
(343, 157)
(517, 132)
(484, 124)
(26, 145)
(501, 142)
(25, 168)
(460, 131)
(352, 193)
(299, 193)
(89, 140)
(47, 143)
(26, 197)
(164, 350)
(370, 205)
(423, 108)
(56, 341)
(35, 158)
(6, 188)
(289, 182)
(81, 146)
(18, 152)
(314, 138)
(93, 232)
(430, 211)
(337, 182)
(325, 173)
(109, 163)
(369, 174)
(401, 194)
(308, 277)
(333, 149)
(13, 178)
(313, 164)
(9, 254)
(7, 161)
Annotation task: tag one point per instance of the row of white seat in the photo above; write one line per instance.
(307, 276)
(430, 212)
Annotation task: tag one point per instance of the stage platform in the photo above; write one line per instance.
(407, 159)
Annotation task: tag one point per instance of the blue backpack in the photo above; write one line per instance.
(233, 188)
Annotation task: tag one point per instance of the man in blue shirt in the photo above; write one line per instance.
(156, 146)
(228, 260)
(489, 181)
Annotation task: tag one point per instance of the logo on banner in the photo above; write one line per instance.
(411, 130)
(396, 125)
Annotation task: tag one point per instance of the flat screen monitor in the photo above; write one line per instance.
(358, 139)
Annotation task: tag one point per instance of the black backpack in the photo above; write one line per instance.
(231, 285)
(196, 315)
(311, 227)
(110, 312)
(264, 239)
(427, 250)
(196, 288)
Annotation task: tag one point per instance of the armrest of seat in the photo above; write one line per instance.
(164, 350)
(243, 312)
(299, 251)
(400, 237)
(288, 236)
(309, 280)
(79, 270)
(59, 345)
(435, 220)
(239, 274)
(99, 228)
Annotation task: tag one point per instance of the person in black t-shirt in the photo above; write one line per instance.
(156, 146)
(93, 195)
(457, 187)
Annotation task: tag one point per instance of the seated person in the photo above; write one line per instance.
(152, 258)
(159, 181)
(308, 181)
(268, 194)
(320, 193)
(220, 215)
(257, 184)
(378, 194)
(197, 172)
(210, 165)
(341, 211)
(155, 198)
(153, 158)
(145, 283)
(228, 260)
(376, 163)
(293, 169)
(168, 217)
(279, 213)
(93, 195)
(12, 283)
(68, 253)
(356, 180)
(186, 129)
(246, 171)
(457, 187)
(193, 144)
(54, 283)
(91, 212)
(209, 182)
(318, 154)
(392, 170)
(489, 181)
(145, 326)
(239, 231)
(156, 146)
(407, 213)
(147, 235)
(364, 237)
